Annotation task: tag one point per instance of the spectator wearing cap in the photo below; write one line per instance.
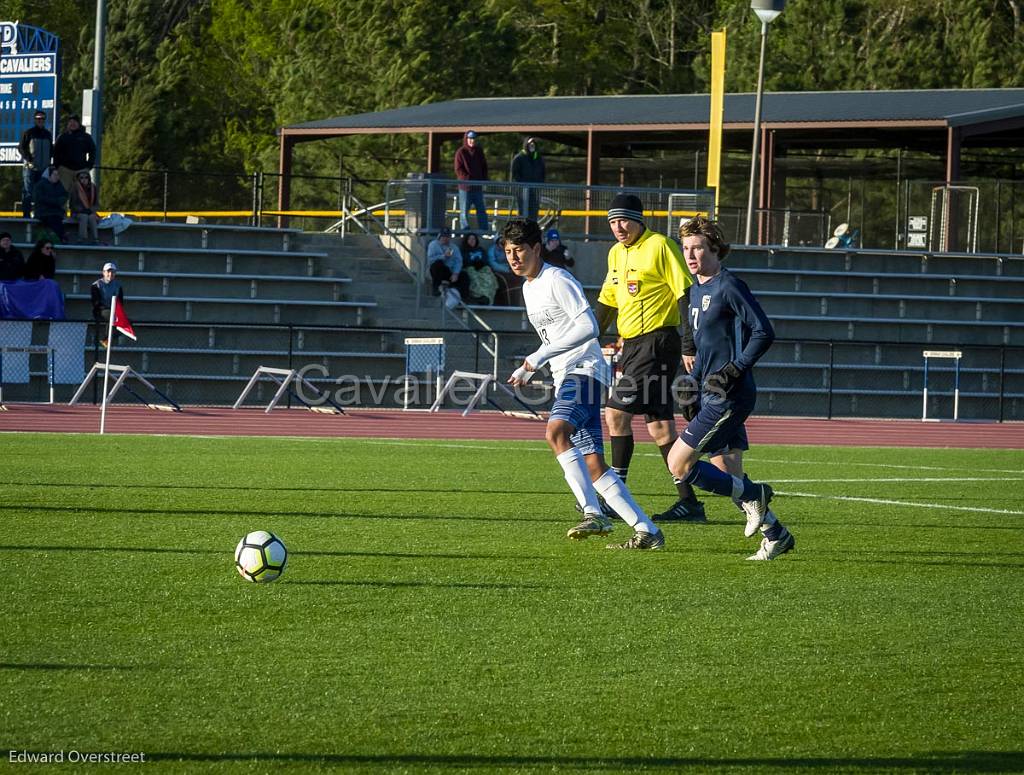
(42, 261)
(51, 199)
(12, 262)
(554, 252)
(35, 148)
(103, 292)
(444, 261)
(85, 198)
(646, 292)
(528, 167)
(73, 152)
(471, 165)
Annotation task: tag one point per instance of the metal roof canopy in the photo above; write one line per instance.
(937, 120)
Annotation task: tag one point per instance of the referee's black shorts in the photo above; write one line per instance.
(648, 364)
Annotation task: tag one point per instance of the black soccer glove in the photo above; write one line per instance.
(688, 397)
(723, 380)
(689, 410)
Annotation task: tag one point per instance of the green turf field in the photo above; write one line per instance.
(434, 618)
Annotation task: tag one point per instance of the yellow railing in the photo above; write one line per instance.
(508, 213)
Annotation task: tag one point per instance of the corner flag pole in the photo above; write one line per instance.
(106, 370)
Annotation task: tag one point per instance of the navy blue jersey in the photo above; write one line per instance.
(728, 325)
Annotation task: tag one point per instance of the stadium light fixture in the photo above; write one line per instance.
(767, 11)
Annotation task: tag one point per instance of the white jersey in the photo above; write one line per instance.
(555, 303)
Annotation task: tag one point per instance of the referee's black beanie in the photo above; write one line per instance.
(626, 206)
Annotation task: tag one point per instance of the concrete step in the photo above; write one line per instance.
(832, 305)
(881, 262)
(176, 309)
(870, 284)
(221, 286)
(157, 259)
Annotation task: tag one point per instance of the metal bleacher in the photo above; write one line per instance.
(212, 303)
(851, 326)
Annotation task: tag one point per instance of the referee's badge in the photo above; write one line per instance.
(633, 287)
(705, 302)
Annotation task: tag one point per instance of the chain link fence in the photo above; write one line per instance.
(210, 364)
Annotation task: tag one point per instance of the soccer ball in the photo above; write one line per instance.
(260, 556)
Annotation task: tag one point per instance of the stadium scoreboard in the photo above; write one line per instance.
(29, 81)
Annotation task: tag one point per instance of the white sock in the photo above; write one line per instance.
(618, 496)
(578, 477)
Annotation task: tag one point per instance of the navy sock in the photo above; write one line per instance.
(774, 532)
(682, 487)
(708, 477)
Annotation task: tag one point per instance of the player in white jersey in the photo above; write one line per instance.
(567, 328)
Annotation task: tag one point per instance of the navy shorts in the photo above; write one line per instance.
(578, 402)
(718, 427)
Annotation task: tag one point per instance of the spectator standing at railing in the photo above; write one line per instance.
(73, 152)
(42, 261)
(554, 252)
(12, 262)
(471, 164)
(528, 167)
(509, 284)
(36, 146)
(84, 200)
(51, 199)
(444, 261)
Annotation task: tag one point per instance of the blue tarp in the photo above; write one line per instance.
(31, 300)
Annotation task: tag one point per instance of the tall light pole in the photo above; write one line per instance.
(97, 84)
(767, 11)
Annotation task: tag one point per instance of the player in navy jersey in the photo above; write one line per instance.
(731, 333)
(559, 312)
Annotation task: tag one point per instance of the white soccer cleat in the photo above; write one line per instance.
(756, 510)
(771, 549)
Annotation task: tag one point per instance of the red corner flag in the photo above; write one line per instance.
(121, 321)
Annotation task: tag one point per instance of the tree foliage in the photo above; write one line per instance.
(193, 84)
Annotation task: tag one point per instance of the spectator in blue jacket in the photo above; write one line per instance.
(444, 261)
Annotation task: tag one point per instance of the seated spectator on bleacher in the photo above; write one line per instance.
(12, 262)
(103, 292)
(444, 261)
(482, 282)
(50, 200)
(84, 198)
(42, 261)
(554, 252)
(509, 283)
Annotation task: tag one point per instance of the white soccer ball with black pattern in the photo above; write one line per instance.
(261, 556)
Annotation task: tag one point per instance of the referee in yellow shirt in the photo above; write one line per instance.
(646, 293)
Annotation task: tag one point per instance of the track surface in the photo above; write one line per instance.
(383, 423)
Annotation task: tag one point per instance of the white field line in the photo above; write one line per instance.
(904, 480)
(456, 445)
(431, 443)
(910, 504)
(755, 459)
